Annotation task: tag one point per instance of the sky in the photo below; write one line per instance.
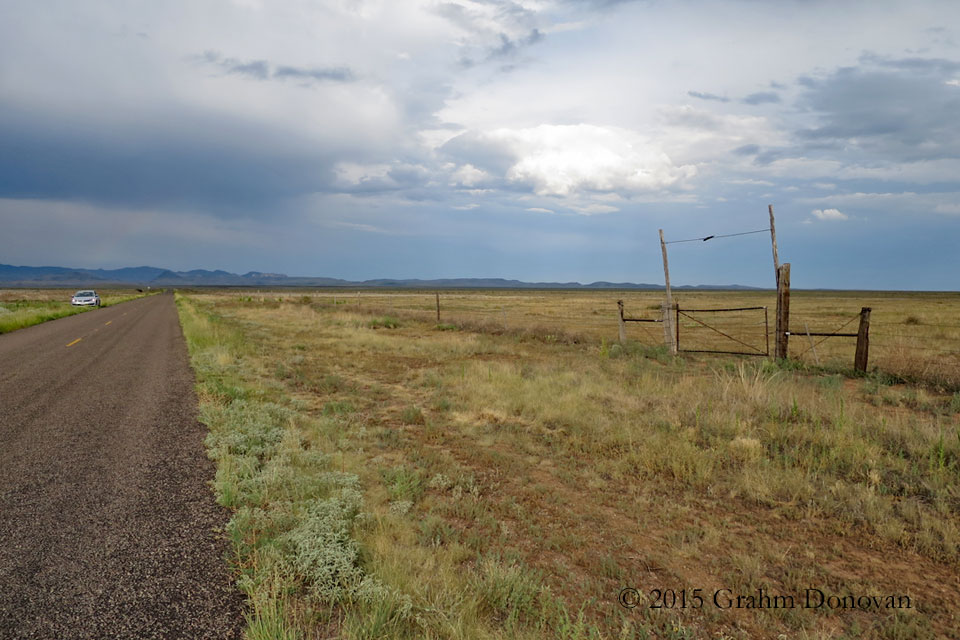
(542, 140)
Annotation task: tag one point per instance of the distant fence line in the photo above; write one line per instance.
(914, 348)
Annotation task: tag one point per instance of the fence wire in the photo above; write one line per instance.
(908, 333)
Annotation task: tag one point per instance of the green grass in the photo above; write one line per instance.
(18, 314)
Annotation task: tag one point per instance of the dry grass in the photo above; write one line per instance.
(513, 481)
(914, 336)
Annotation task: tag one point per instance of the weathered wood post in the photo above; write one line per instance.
(783, 311)
(622, 324)
(668, 303)
(438, 307)
(863, 341)
(773, 241)
(676, 319)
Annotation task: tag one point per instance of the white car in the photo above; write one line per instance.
(86, 298)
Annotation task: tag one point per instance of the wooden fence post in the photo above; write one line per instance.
(863, 341)
(668, 334)
(622, 327)
(773, 241)
(438, 307)
(783, 311)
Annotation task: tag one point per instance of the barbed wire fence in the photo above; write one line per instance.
(906, 340)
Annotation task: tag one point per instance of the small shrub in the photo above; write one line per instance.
(744, 450)
(337, 407)
(435, 532)
(403, 483)
(245, 428)
(386, 322)
(322, 551)
(412, 415)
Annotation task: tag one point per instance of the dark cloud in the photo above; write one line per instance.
(893, 112)
(219, 164)
(939, 66)
(263, 70)
(510, 47)
(487, 44)
(258, 69)
(762, 97)
(747, 150)
(707, 96)
(336, 74)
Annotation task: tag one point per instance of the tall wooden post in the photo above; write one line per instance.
(438, 307)
(783, 311)
(668, 303)
(622, 326)
(863, 341)
(773, 241)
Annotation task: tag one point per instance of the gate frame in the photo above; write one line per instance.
(766, 331)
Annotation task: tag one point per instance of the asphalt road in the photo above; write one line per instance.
(107, 521)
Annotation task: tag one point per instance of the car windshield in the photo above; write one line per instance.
(83, 294)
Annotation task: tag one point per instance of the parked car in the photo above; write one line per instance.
(85, 298)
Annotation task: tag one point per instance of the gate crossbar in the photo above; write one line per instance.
(749, 346)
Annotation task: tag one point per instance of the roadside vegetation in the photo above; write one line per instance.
(21, 308)
(392, 477)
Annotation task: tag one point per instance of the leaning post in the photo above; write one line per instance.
(863, 341)
(773, 243)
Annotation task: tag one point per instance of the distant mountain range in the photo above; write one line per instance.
(12, 276)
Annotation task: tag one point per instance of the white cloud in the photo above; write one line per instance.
(752, 182)
(469, 176)
(829, 214)
(562, 160)
(593, 208)
(949, 208)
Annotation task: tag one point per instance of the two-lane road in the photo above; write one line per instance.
(106, 516)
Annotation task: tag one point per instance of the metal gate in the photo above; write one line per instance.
(742, 334)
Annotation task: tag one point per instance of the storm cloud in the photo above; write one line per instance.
(545, 139)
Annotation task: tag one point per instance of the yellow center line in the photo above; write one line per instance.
(107, 322)
(75, 342)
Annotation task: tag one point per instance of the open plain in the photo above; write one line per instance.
(512, 471)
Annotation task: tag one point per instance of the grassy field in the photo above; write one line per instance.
(510, 471)
(21, 308)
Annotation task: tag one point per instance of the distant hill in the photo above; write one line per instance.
(13, 276)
